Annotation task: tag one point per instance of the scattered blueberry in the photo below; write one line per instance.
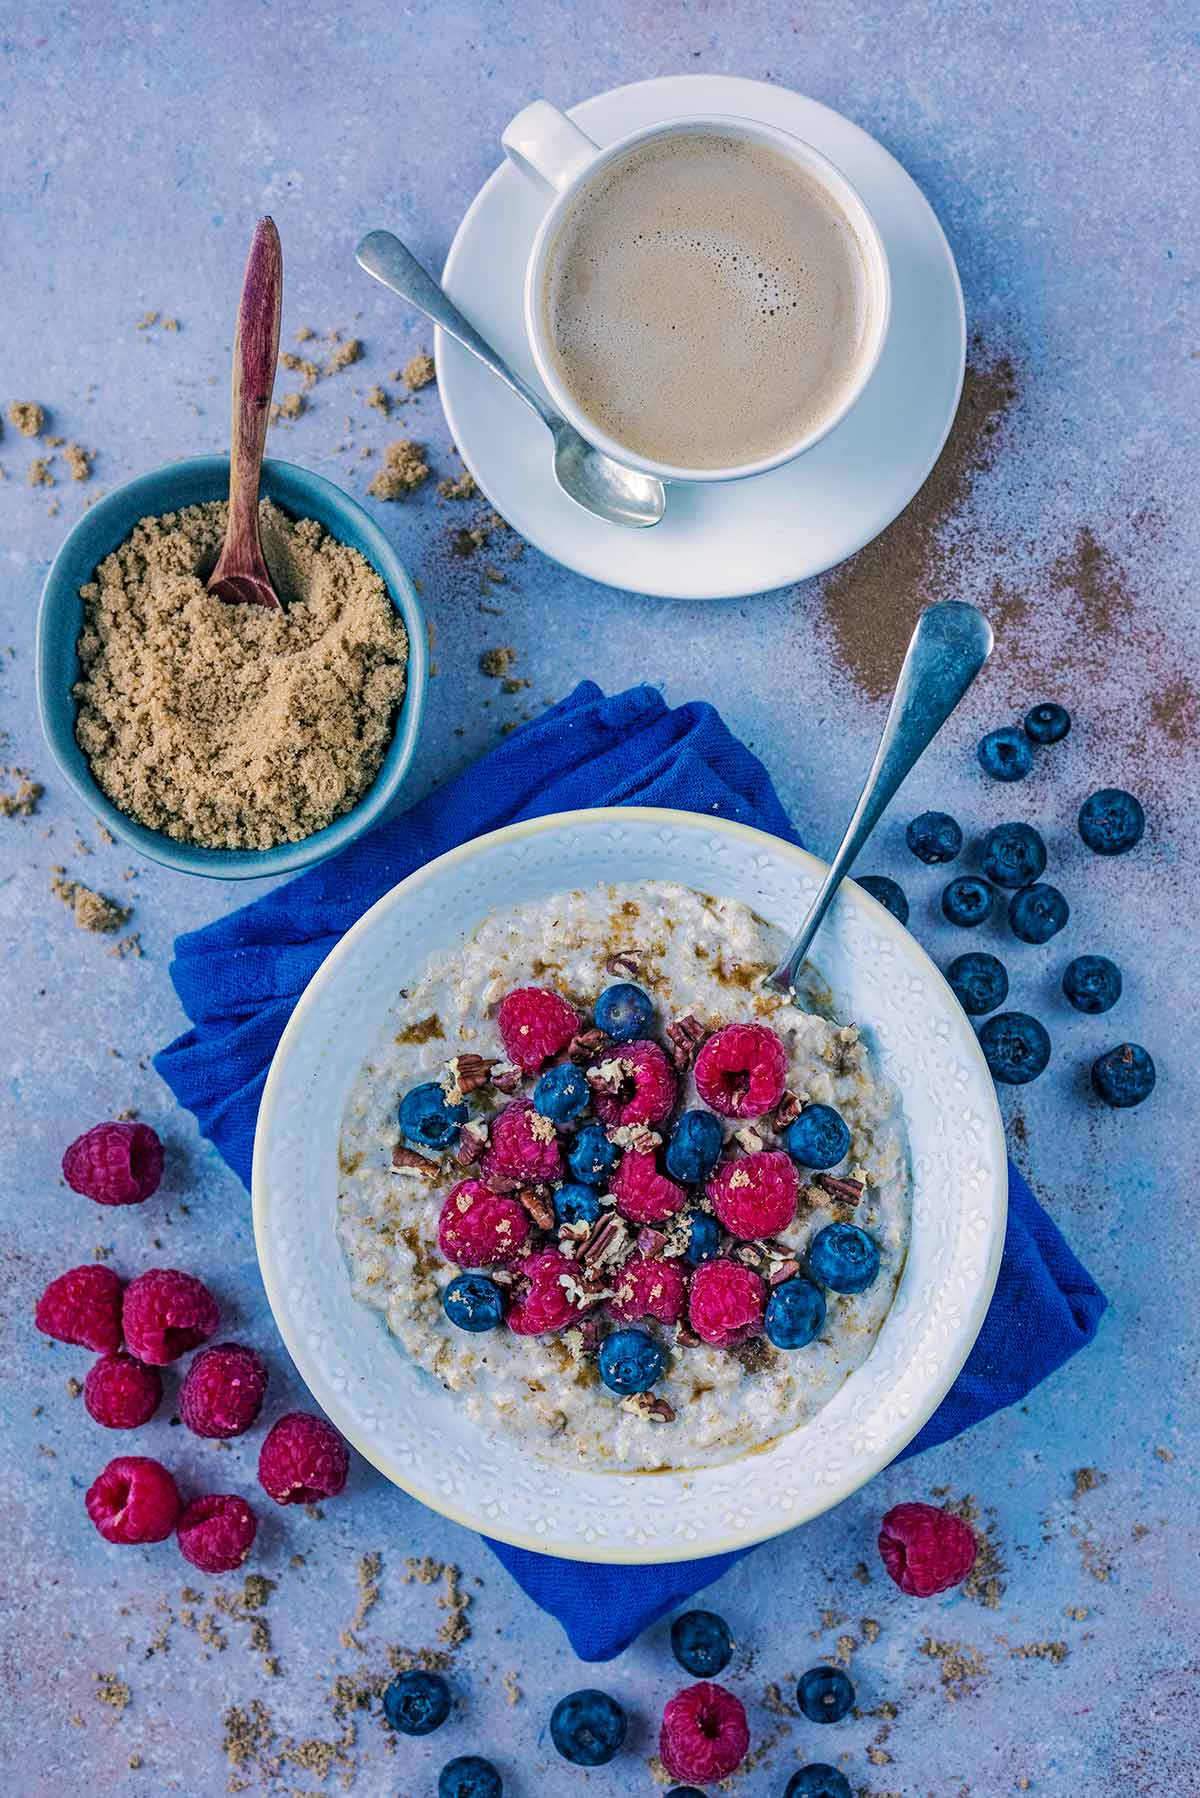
(934, 837)
(474, 1303)
(630, 1361)
(1048, 723)
(701, 1643)
(978, 981)
(844, 1258)
(587, 1727)
(1125, 1075)
(1015, 1047)
(1005, 754)
(469, 1776)
(592, 1157)
(819, 1137)
(561, 1093)
(1111, 821)
(704, 1237)
(426, 1118)
(417, 1703)
(966, 901)
(694, 1146)
(1092, 983)
(1013, 855)
(575, 1205)
(624, 1012)
(795, 1313)
(824, 1694)
(888, 892)
(818, 1780)
(1037, 913)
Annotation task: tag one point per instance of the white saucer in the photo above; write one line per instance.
(744, 536)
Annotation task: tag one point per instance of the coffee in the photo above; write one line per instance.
(707, 301)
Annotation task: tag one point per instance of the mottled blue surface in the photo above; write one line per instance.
(1057, 148)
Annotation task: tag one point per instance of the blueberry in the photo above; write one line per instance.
(1015, 1047)
(1047, 723)
(1037, 913)
(819, 1137)
(1111, 821)
(966, 901)
(844, 1258)
(592, 1157)
(694, 1146)
(1125, 1076)
(704, 1237)
(561, 1093)
(818, 1780)
(426, 1118)
(795, 1313)
(1013, 855)
(1005, 754)
(469, 1776)
(934, 837)
(587, 1727)
(701, 1643)
(824, 1694)
(888, 892)
(979, 982)
(417, 1703)
(474, 1303)
(576, 1205)
(630, 1361)
(624, 1012)
(1092, 983)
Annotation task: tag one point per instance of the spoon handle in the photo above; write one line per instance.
(393, 263)
(949, 646)
(241, 573)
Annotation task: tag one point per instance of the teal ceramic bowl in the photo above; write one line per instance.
(98, 533)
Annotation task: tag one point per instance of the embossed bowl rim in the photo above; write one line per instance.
(425, 1444)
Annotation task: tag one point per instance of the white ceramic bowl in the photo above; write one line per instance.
(415, 1432)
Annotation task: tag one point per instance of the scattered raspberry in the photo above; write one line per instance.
(115, 1164)
(523, 1146)
(541, 1303)
(82, 1306)
(121, 1393)
(133, 1500)
(754, 1195)
(704, 1733)
(741, 1071)
(222, 1391)
(646, 1093)
(480, 1228)
(642, 1193)
(166, 1313)
(647, 1288)
(926, 1550)
(535, 1023)
(216, 1532)
(726, 1302)
(302, 1460)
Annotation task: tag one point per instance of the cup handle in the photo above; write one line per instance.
(544, 144)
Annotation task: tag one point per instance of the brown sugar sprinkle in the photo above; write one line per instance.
(27, 417)
(419, 371)
(458, 486)
(79, 461)
(92, 911)
(378, 399)
(404, 469)
(344, 355)
(309, 372)
(26, 794)
(39, 472)
(497, 662)
(113, 1692)
(424, 1030)
(985, 1583)
(1086, 1479)
(963, 1668)
(288, 408)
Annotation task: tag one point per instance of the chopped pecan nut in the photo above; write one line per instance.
(407, 1161)
(848, 1191)
(649, 1406)
(472, 1142)
(506, 1076)
(685, 1336)
(465, 1074)
(537, 1205)
(609, 1076)
(786, 1112)
(685, 1035)
(783, 1270)
(501, 1183)
(587, 1046)
(650, 1242)
(608, 1245)
(624, 962)
(749, 1254)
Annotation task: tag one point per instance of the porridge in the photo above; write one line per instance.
(629, 1205)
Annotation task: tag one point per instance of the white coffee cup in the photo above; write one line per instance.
(562, 161)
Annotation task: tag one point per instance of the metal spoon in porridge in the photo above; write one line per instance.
(949, 646)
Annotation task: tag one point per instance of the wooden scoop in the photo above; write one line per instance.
(240, 575)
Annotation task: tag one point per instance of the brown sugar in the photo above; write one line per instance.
(343, 355)
(458, 486)
(26, 794)
(419, 371)
(79, 461)
(92, 911)
(39, 472)
(289, 407)
(497, 662)
(28, 417)
(404, 469)
(378, 399)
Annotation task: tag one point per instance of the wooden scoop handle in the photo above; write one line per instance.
(241, 572)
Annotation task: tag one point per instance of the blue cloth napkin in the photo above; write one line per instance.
(239, 978)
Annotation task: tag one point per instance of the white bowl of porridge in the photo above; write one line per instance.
(588, 1239)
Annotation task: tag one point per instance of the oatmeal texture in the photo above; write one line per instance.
(232, 726)
(692, 954)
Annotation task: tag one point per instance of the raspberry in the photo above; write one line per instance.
(542, 1303)
(642, 1193)
(133, 1500)
(115, 1164)
(82, 1306)
(926, 1550)
(222, 1390)
(523, 1146)
(754, 1195)
(535, 1023)
(726, 1302)
(647, 1288)
(166, 1313)
(480, 1228)
(704, 1733)
(216, 1532)
(741, 1072)
(120, 1393)
(302, 1460)
(648, 1088)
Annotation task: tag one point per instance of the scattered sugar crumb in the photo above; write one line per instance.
(79, 461)
(419, 371)
(25, 796)
(27, 417)
(112, 1691)
(344, 355)
(496, 662)
(378, 399)
(458, 486)
(92, 911)
(39, 472)
(288, 408)
(403, 471)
